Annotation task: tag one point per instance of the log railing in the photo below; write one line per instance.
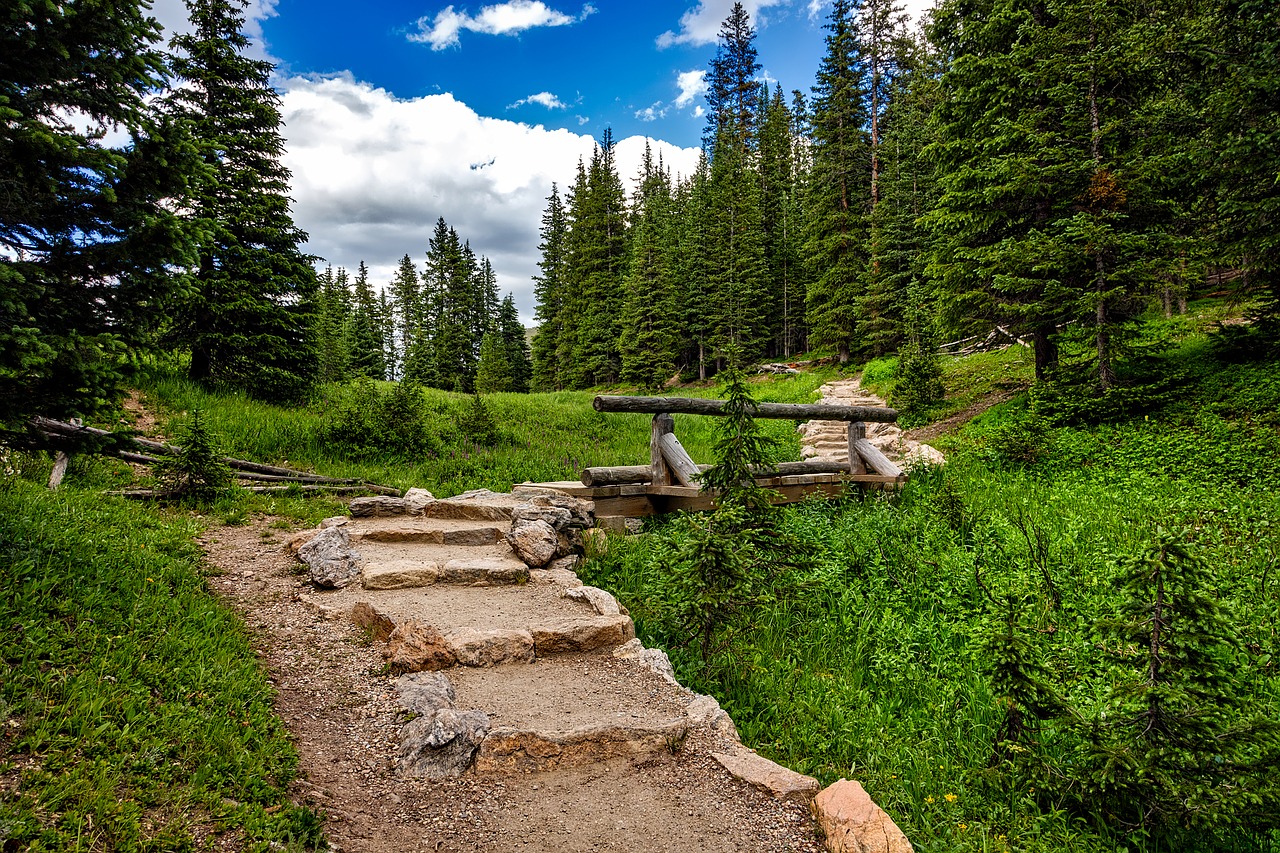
(670, 464)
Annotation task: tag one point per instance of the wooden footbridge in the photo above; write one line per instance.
(670, 481)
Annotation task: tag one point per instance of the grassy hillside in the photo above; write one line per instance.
(881, 649)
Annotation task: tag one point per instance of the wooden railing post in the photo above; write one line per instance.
(663, 424)
(857, 432)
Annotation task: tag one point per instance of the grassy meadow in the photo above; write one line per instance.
(136, 717)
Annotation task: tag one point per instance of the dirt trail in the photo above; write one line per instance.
(829, 439)
(340, 705)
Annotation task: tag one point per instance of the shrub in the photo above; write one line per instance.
(197, 472)
(369, 422)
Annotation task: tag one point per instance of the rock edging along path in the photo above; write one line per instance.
(503, 668)
(829, 439)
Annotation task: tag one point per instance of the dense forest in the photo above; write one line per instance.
(1051, 168)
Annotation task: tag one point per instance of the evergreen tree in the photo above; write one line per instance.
(693, 267)
(573, 302)
(598, 254)
(511, 332)
(549, 293)
(781, 217)
(333, 326)
(367, 357)
(250, 322)
(738, 287)
(839, 187)
(88, 239)
(390, 346)
(733, 94)
(648, 329)
(494, 371)
(405, 319)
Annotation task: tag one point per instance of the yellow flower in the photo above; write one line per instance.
(950, 798)
(928, 799)
(963, 827)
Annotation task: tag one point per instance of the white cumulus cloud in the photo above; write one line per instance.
(372, 173)
(691, 85)
(701, 24)
(653, 112)
(546, 99)
(500, 19)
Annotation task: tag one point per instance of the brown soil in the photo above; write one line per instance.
(340, 707)
(953, 423)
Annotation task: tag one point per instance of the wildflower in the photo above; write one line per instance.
(950, 798)
(928, 799)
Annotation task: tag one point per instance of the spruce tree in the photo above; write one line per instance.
(516, 345)
(733, 93)
(249, 322)
(494, 372)
(839, 187)
(648, 330)
(88, 239)
(333, 326)
(367, 357)
(390, 340)
(693, 267)
(781, 217)
(549, 293)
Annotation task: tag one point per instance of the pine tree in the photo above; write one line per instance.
(549, 293)
(88, 239)
(390, 345)
(494, 371)
(648, 329)
(733, 94)
(250, 322)
(781, 220)
(693, 267)
(405, 319)
(514, 341)
(367, 357)
(598, 253)
(333, 326)
(839, 187)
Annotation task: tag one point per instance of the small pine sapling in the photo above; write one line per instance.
(198, 471)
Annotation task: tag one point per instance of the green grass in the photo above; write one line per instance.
(134, 710)
(867, 663)
(542, 437)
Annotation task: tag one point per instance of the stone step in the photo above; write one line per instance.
(403, 564)
(479, 505)
(487, 625)
(429, 531)
(571, 710)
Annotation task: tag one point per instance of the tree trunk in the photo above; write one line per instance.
(1046, 351)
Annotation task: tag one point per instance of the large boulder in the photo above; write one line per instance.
(853, 823)
(442, 744)
(415, 646)
(417, 501)
(332, 561)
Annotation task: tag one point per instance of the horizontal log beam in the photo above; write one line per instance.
(625, 474)
(786, 411)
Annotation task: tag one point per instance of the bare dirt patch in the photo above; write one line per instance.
(949, 425)
(339, 705)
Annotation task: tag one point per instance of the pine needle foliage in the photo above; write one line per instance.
(198, 472)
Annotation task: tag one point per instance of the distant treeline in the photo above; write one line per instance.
(443, 327)
(1055, 168)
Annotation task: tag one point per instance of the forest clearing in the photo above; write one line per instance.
(923, 431)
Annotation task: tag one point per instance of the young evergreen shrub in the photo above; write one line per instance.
(370, 423)
(1021, 438)
(919, 381)
(198, 472)
(477, 424)
(1174, 749)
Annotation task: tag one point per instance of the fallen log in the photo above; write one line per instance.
(159, 494)
(787, 411)
(875, 459)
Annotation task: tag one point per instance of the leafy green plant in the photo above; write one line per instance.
(371, 422)
(477, 423)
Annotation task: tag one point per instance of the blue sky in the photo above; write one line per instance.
(398, 113)
(586, 68)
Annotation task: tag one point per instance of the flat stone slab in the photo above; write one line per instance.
(426, 533)
(581, 634)
(476, 571)
(480, 505)
(768, 776)
(399, 574)
(505, 750)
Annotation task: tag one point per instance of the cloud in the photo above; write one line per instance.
(501, 19)
(373, 172)
(701, 24)
(172, 15)
(691, 84)
(653, 112)
(546, 99)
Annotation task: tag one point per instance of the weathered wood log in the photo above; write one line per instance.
(876, 460)
(59, 469)
(788, 411)
(659, 472)
(682, 467)
(279, 478)
(626, 474)
(154, 494)
(857, 432)
(70, 430)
